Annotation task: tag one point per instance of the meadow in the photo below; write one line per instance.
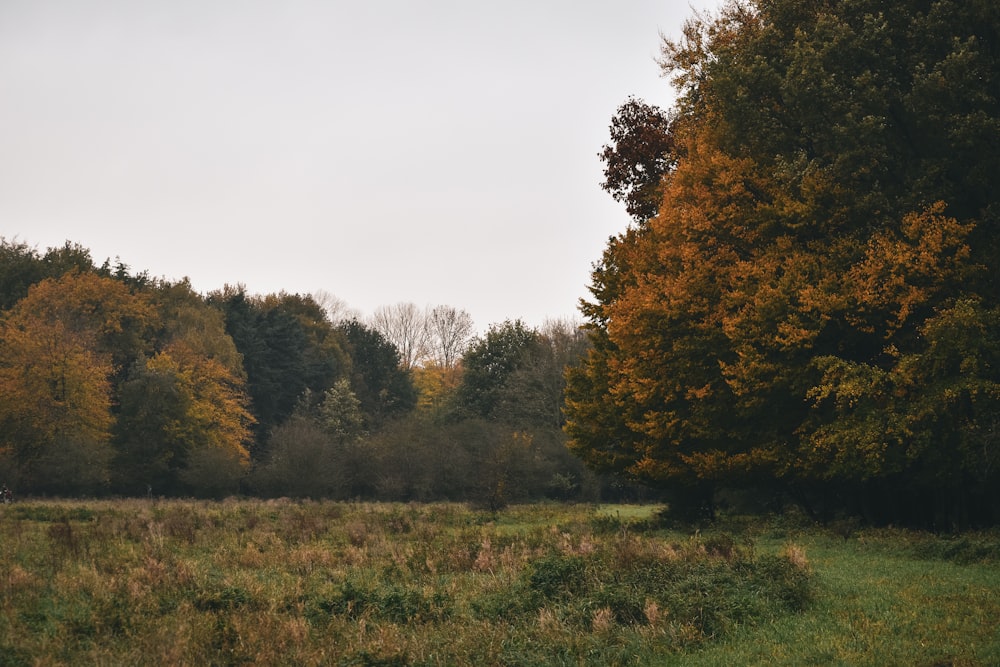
(135, 582)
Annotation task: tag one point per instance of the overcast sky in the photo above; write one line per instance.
(434, 152)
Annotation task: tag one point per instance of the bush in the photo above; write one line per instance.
(701, 590)
(557, 576)
(389, 602)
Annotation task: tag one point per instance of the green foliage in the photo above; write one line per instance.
(151, 449)
(384, 389)
(415, 459)
(22, 266)
(557, 576)
(706, 588)
(515, 374)
(392, 603)
(488, 365)
(302, 462)
(213, 472)
(158, 389)
(183, 420)
(288, 346)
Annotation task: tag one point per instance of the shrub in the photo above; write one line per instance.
(702, 589)
(558, 576)
(389, 602)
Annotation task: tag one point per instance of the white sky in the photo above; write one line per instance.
(434, 152)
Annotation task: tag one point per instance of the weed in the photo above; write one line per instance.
(182, 523)
(51, 512)
(602, 620)
(796, 556)
(227, 598)
(557, 576)
(368, 659)
(12, 656)
(961, 549)
(63, 537)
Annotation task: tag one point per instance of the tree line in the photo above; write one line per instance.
(113, 382)
(806, 305)
(804, 309)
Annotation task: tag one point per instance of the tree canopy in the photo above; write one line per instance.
(288, 346)
(640, 153)
(114, 382)
(60, 347)
(790, 313)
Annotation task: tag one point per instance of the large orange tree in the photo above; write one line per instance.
(60, 348)
(811, 305)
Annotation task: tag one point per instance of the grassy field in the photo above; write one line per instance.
(278, 582)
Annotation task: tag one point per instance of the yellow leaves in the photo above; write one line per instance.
(85, 302)
(198, 331)
(857, 449)
(848, 383)
(434, 384)
(656, 468)
(698, 393)
(858, 441)
(61, 345)
(217, 414)
(211, 408)
(49, 367)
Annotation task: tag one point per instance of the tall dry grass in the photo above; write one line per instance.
(323, 583)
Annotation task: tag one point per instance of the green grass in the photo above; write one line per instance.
(882, 600)
(279, 582)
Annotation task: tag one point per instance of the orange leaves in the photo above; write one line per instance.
(55, 368)
(64, 352)
(771, 299)
(817, 285)
(667, 325)
(732, 186)
(56, 345)
(902, 271)
(728, 300)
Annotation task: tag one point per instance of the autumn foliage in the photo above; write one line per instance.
(116, 383)
(812, 308)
